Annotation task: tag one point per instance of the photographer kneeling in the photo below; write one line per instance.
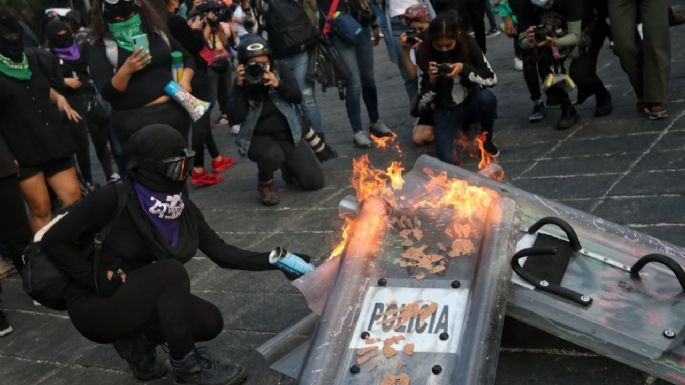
(136, 292)
(455, 72)
(270, 127)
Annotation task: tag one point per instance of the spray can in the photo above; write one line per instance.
(289, 262)
(176, 66)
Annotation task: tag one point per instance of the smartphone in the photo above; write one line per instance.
(140, 41)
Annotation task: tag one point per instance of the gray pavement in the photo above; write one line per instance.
(621, 167)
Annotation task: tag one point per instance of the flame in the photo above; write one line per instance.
(390, 142)
(368, 181)
(340, 247)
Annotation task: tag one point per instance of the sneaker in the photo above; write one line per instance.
(198, 368)
(362, 139)
(569, 117)
(5, 327)
(518, 64)
(204, 178)
(115, 177)
(141, 355)
(7, 269)
(222, 164)
(538, 112)
(655, 111)
(267, 193)
(490, 148)
(235, 129)
(492, 33)
(222, 121)
(380, 129)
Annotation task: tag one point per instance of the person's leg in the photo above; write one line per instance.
(99, 135)
(79, 132)
(224, 88)
(206, 323)
(476, 11)
(35, 192)
(269, 156)
(200, 129)
(399, 26)
(15, 230)
(65, 185)
(624, 20)
(301, 163)
(364, 54)
(354, 88)
(487, 6)
(656, 51)
(484, 105)
(298, 65)
(530, 75)
(446, 128)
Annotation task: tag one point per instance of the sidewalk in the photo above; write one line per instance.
(621, 167)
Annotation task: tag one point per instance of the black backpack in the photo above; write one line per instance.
(289, 29)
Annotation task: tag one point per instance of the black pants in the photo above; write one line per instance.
(14, 226)
(471, 13)
(299, 161)
(126, 122)
(156, 301)
(79, 132)
(202, 129)
(539, 63)
(584, 68)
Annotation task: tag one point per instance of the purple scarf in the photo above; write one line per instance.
(71, 53)
(164, 211)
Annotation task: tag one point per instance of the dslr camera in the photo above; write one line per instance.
(543, 31)
(444, 69)
(222, 12)
(254, 73)
(412, 34)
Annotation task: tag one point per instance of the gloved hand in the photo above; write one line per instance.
(293, 276)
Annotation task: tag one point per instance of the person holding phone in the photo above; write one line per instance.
(130, 62)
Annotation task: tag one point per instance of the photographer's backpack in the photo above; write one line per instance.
(288, 26)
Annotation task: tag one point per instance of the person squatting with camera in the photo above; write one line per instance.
(264, 102)
(550, 32)
(453, 86)
(134, 293)
(198, 36)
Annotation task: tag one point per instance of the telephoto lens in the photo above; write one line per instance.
(254, 73)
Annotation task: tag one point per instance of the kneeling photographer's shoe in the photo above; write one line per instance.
(380, 129)
(267, 193)
(569, 117)
(141, 356)
(198, 368)
(362, 139)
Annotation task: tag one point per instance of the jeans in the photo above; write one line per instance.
(479, 106)
(298, 65)
(400, 26)
(359, 59)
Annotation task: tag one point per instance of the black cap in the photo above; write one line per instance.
(252, 45)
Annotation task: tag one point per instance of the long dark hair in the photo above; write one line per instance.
(446, 24)
(152, 21)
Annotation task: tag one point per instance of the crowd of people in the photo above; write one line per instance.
(101, 79)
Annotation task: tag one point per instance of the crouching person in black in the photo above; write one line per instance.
(270, 127)
(144, 290)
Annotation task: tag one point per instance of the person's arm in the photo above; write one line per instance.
(63, 105)
(287, 86)
(191, 39)
(62, 242)
(225, 255)
(572, 37)
(479, 70)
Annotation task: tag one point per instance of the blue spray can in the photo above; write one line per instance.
(289, 262)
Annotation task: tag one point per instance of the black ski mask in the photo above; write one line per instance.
(111, 9)
(11, 33)
(160, 159)
(57, 39)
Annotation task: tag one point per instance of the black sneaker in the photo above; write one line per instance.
(5, 327)
(538, 112)
(569, 117)
(490, 148)
(198, 368)
(141, 356)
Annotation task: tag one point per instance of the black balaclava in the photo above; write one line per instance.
(55, 40)
(11, 37)
(156, 142)
(123, 8)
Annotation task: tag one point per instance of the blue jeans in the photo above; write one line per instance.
(298, 64)
(400, 26)
(359, 59)
(479, 106)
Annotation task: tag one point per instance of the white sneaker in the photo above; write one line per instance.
(235, 129)
(362, 139)
(518, 64)
(115, 177)
(380, 129)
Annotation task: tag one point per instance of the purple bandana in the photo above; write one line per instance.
(72, 53)
(163, 210)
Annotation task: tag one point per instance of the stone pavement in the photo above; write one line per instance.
(621, 167)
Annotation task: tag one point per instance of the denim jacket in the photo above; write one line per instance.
(247, 113)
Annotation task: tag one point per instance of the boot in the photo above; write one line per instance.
(141, 356)
(569, 117)
(267, 193)
(198, 368)
(604, 104)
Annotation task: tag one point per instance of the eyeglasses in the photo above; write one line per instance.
(176, 168)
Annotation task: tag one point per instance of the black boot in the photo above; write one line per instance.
(141, 356)
(267, 193)
(569, 117)
(199, 369)
(604, 104)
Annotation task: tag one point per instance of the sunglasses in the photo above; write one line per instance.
(176, 168)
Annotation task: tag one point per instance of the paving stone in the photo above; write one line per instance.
(579, 166)
(567, 187)
(647, 210)
(651, 182)
(612, 145)
(662, 160)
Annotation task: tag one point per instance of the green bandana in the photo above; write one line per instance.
(19, 71)
(124, 31)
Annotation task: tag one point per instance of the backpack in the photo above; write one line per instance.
(42, 280)
(288, 26)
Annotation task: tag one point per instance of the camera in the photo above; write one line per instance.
(412, 34)
(254, 73)
(542, 32)
(444, 69)
(222, 12)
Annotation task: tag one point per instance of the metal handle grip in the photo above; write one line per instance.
(662, 259)
(570, 233)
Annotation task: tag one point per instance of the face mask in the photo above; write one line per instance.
(113, 9)
(65, 40)
(11, 44)
(123, 31)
